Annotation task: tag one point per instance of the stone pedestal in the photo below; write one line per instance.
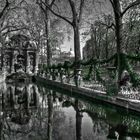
(78, 78)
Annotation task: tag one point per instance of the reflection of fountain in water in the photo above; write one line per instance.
(39, 113)
(15, 110)
(19, 97)
(24, 115)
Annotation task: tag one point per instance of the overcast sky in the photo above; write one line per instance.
(100, 8)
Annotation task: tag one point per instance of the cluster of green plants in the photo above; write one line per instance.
(96, 65)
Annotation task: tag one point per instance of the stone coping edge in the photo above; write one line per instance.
(100, 96)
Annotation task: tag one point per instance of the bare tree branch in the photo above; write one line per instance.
(58, 11)
(56, 14)
(135, 3)
(112, 3)
(108, 26)
(52, 3)
(81, 9)
(4, 9)
(73, 9)
(10, 26)
(41, 6)
(13, 30)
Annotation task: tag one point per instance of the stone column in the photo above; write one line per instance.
(28, 64)
(25, 60)
(12, 63)
(26, 96)
(3, 65)
(2, 56)
(33, 97)
(3, 53)
(12, 66)
(36, 63)
(11, 100)
(37, 94)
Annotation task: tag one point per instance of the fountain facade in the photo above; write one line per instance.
(19, 53)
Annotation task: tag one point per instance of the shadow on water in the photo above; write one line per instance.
(33, 112)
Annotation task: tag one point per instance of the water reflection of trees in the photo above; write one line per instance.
(33, 112)
(30, 112)
(21, 114)
(109, 120)
(106, 121)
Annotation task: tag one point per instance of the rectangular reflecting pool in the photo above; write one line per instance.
(34, 112)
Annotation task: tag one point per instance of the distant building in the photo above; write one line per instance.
(62, 56)
(56, 53)
(58, 56)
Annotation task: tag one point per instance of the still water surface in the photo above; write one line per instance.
(33, 112)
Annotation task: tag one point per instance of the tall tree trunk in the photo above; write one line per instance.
(77, 43)
(106, 45)
(47, 26)
(95, 44)
(50, 116)
(75, 23)
(118, 32)
(2, 42)
(79, 117)
(77, 53)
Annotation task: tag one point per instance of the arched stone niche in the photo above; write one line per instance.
(19, 53)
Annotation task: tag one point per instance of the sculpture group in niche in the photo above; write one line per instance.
(19, 54)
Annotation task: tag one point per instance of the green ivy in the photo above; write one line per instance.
(124, 60)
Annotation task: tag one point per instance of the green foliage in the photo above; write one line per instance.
(86, 72)
(111, 88)
(53, 66)
(88, 67)
(59, 66)
(66, 65)
(98, 73)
